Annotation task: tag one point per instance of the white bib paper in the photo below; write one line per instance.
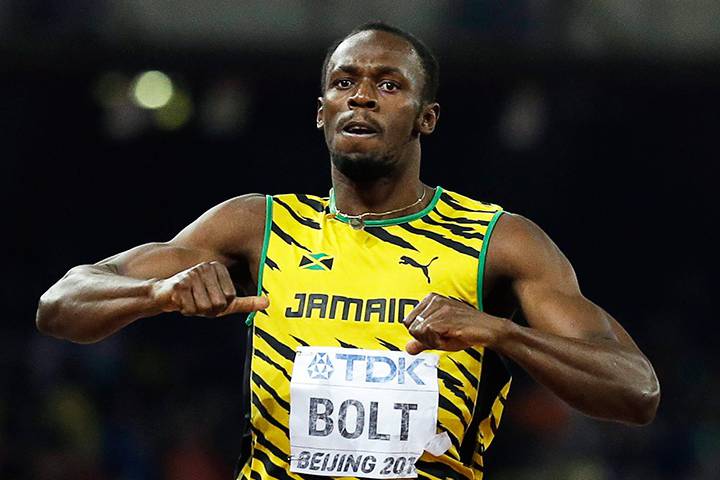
(361, 413)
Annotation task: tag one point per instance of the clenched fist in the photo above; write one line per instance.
(441, 323)
(204, 290)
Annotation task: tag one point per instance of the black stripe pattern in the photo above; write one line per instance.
(312, 203)
(459, 230)
(270, 361)
(286, 237)
(300, 341)
(493, 378)
(461, 220)
(308, 222)
(279, 347)
(273, 470)
(448, 242)
(446, 404)
(266, 415)
(455, 386)
(388, 345)
(439, 470)
(345, 344)
(450, 201)
(270, 263)
(472, 379)
(259, 381)
(385, 236)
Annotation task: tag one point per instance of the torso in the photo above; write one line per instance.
(322, 280)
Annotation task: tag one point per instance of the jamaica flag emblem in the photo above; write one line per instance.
(316, 261)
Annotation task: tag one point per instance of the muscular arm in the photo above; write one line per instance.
(571, 346)
(187, 274)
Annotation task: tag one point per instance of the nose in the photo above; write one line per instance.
(364, 97)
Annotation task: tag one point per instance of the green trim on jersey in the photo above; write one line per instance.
(483, 254)
(263, 255)
(387, 221)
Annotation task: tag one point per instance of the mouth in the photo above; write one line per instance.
(357, 128)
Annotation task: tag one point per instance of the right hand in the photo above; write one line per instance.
(205, 290)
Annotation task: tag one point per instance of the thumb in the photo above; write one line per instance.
(246, 304)
(413, 347)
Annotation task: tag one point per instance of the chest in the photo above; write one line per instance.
(371, 275)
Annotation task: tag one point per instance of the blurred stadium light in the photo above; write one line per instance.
(152, 89)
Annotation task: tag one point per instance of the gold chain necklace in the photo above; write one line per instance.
(357, 222)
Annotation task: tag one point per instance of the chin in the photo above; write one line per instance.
(363, 166)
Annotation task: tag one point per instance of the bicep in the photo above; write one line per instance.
(565, 314)
(544, 284)
(226, 233)
(156, 260)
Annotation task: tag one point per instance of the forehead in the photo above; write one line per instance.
(372, 48)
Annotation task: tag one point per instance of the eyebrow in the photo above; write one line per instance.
(379, 70)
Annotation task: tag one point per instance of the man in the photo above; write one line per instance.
(345, 283)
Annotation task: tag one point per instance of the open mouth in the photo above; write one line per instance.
(359, 129)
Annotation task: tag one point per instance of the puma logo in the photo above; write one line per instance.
(405, 260)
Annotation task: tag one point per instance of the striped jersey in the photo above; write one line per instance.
(332, 285)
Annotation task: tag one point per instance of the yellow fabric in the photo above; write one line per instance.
(331, 285)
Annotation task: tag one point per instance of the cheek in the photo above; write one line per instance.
(330, 113)
(333, 100)
(404, 120)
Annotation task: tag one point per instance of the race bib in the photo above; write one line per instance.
(361, 413)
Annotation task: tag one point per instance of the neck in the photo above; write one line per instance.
(401, 188)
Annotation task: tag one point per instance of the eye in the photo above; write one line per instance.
(343, 83)
(389, 86)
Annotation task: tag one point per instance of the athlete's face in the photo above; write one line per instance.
(371, 109)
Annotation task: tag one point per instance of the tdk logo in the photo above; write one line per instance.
(381, 369)
(320, 367)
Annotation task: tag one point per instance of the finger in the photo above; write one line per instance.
(413, 347)
(225, 281)
(417, 310)
(430, 307)
(215, 294)
(420, 331)
(183, 298)
(429, 331)
(246, 304)
(200, 295)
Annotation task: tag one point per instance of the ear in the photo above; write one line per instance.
(428, 118)
(319, 120)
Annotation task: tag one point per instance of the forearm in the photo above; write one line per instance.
(91, 302)
(601, 378)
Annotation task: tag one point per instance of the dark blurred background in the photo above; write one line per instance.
(121, 122)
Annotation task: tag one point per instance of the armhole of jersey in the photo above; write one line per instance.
(263, 254)
(481, 260)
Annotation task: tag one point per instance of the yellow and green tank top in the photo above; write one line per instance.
(332, 285)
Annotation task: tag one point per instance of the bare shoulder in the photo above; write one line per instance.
(241, 209)
(231, 233)
(519, 248)
(233, 228)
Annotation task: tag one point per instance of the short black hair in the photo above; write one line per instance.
(428, 61)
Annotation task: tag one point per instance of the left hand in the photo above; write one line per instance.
(441, 323)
